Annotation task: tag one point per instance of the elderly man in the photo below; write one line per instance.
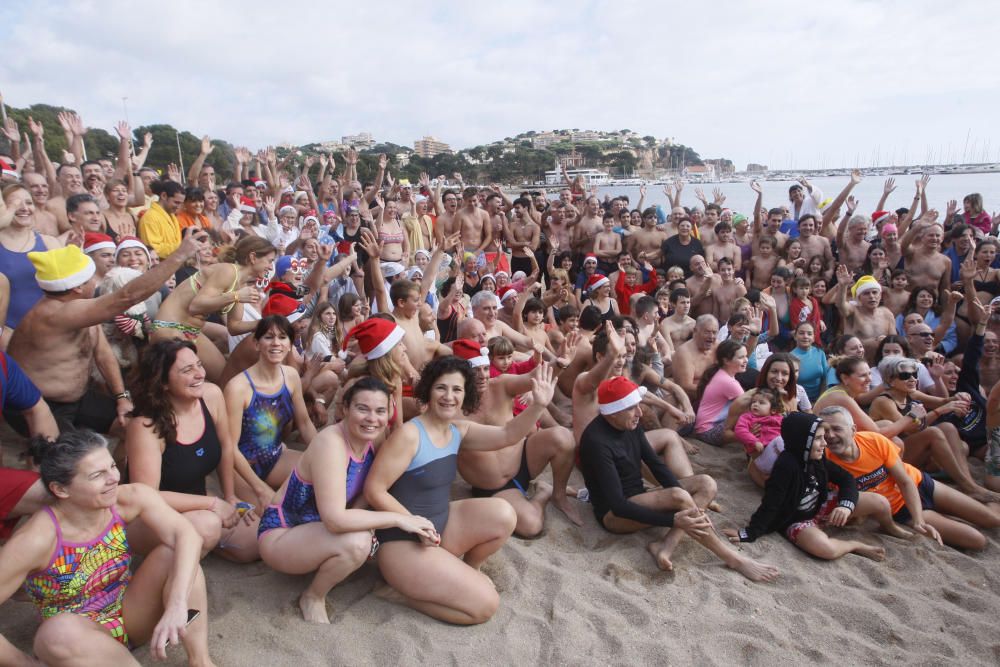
(932, 509)
(694, 357)
(613, 450)
(865, 318)
(484, 308)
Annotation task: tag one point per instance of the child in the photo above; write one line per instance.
(805, 308)
(763, 263)
(607, 246)
(725, 246)
(974, 215)
(897, 296)
(501, 353)
(765, 415)
(812, 361)
(792, 258)
(624, 289)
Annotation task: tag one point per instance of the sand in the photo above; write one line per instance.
(581, 595)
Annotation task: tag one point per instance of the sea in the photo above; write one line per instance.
(740, 198)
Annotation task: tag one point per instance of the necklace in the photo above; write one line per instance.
(24, 244)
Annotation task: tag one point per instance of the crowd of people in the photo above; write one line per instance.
(295, 366)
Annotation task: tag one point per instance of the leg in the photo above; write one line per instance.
(143, 604)
(814, 541)
(877, 507)
(959, 451)
(673, 448)
(554, 446)
(282, 469)
(211, 358)
(33, 500)
(309, 548)
(530, 511)
(477, 528)
(239, 543)
(446, 588)
(71, 639)
(955, 503)
(143, 540)
(955, 533)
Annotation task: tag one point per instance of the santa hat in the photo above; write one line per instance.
(595, 281)
(503, 273)
(488, 275)
(509, 293)
(9, 169)
(247, 205)
(286, 306)
(376, 338)
(471, 352)
(591, 257)
(62, 269)
(390, 269)
(130, 242)
(880, 216)
(617, 394)
(92, 242)
(865, 284)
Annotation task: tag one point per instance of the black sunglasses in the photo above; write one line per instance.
(907, 375)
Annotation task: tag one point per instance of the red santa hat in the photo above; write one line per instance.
(247, 205)
(93, 241)
(591, 257)
(595, 281)
(376, 338)
(509, 293)
(880, 216)
(286, 306)
(617, 394)
(130, 242)
(471, 352)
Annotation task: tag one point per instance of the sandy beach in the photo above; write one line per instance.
(585, 596)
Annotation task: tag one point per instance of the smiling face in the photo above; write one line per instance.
(625, 420)
(133, 258)
(186, 378)
(95, 484)
(273, 346)
(906, 378)
(19, 201)
(804, 336)
(839, 434)
(367, 415)
(447, 395)
(859, 381)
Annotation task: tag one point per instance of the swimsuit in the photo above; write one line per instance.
(386, 237)
(263, 421)
(424, 488)
(188, 332)
(184, 466)
(24, 290)
(88, 578)
(519, 481)
(196, 285)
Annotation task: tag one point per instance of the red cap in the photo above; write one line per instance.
(471, 352)
(376, 337)
(617, 394)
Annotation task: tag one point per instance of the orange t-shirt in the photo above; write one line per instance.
(185, 220)
(871, 469)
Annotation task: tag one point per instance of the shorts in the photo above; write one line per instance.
(519, 481)
(821, 519)
(94, 410)
(14, 484)
(520, 264)
(926, 492)
(713, 436)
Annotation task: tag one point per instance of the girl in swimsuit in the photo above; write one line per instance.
(17, 238)
(75, 561)
(219, 288)
(601, 299)
(181, 438)
(395, 244)
(118, 220)
(261, 401)
(413, 474)
(313, 524)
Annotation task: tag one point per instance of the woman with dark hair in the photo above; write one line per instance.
(877, 265)
(778, 290)
(413, 474)
(717, 390)
(315, 524)
(76, 565)
(192, 214)
(220, 288)
(180, 436)
(119, 222)
(941, 319)
(262, 401)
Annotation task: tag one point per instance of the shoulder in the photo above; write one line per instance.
(50, 242)
(33, 543)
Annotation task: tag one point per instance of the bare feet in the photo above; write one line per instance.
(983, 495)
(690, 448)
(660, 555)
(895, 530)
(714, 506)
(568, 508)
(755, 571)
(314, 609)
(388, 593)
(869, 551)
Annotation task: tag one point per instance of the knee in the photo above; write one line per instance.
(483, 605)
(208, 526)
(530, 523)
(356, 548)
(679, 497)
(57, 638)
(506, 517)
(704, 484)
(563, 439)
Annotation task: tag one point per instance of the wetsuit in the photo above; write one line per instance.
(184, 466)
(424, 487)
(86, 578)
(263, 421)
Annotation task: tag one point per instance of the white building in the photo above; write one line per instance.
(361, 140)
(590, 176)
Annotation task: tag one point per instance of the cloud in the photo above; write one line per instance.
(776, 81)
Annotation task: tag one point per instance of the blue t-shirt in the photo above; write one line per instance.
(19, 392)
(813, 368)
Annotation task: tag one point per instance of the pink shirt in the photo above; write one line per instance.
(770, 428)
(720, 393)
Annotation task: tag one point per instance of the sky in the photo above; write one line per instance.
(787, 84)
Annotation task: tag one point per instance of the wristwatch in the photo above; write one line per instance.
(127, 395)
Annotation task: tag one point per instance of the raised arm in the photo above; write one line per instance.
(887, 189)
(487, 438)
(831, 211)
(199, 162)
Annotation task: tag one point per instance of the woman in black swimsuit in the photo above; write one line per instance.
(180, 436)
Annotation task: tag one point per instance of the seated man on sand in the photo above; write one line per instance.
(799, 501)
(612, 451)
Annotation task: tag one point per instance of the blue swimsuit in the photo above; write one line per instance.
(263, 421)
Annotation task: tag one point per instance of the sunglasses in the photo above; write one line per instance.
(925, 334)
(907, 375)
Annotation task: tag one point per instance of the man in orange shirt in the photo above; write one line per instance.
(929, 507)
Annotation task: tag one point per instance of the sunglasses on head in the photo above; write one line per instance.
(907, 375)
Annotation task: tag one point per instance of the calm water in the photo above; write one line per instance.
(740, 197)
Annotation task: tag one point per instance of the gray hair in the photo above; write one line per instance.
(859, 219)
(480, 298)
(890, 367)
(836, 410)
(706, 319)
(57, 459)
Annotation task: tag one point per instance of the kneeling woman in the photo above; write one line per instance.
(262, 401)
(413, 474)
(180, 437)
(74, 560)
(798, 503)
(313, 527)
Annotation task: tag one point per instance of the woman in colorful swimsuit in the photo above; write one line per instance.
(413, 474)
(74, 560)
(261, 401)
(219, 288)
(313, 525)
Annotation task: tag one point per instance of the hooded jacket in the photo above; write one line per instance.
(798, 486)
